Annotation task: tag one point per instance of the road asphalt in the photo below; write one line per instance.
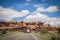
(18, 36)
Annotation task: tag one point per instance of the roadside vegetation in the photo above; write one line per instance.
(5, 33)
(48, 35)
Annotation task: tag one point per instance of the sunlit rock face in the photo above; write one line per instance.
(26, 25)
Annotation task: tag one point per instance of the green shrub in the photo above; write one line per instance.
(57, 38)
(53, 37)
(4, 32)
(58, 29)
(44, 31)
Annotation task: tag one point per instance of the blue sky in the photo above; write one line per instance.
(19, 5)
(23, 9)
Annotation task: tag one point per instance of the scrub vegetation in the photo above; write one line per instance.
(47, 35)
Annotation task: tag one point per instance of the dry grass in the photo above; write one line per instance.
(47, 36)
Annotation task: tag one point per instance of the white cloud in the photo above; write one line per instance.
(37, 15)
(24, 13)
(26, 4)
(8, 13)
(40, 9)
(49, 9)
(42, 17)
(37, 5)
(52, 9)
(55, 22)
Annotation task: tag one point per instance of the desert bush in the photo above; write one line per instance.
(44, 31)
(4, 32)
(58, 36)
(58, 29)
(55, 37)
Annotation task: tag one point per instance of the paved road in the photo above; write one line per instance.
(24, 36)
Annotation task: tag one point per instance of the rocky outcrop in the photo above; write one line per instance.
(22, 25)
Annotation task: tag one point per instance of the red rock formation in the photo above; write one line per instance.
(23, 25)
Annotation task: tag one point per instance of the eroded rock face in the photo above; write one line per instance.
(30, 25)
